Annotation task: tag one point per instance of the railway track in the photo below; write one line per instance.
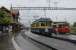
(25, 36)
(60, 38)
(67, 42)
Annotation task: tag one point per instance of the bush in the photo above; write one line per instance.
(73, 30)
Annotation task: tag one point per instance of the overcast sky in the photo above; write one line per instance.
(26, 15)
(61, 3)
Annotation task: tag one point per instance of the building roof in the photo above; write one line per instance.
(64, 23)
(42, 20)
(5, 9)
(59, 22)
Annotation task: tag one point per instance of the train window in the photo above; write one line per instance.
(60, 26)
(33, 25)
(48, 23)
(42, 24)
(37, 24)
(54, 26)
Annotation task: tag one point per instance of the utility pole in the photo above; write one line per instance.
(48, 3)
(65, 19)
(45, 13)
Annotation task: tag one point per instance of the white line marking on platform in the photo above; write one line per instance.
(15, 44)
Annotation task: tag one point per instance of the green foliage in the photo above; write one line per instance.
(74, 25)
(4, 18)
(73, 30)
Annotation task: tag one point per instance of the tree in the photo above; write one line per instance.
(74, 25)
(4, 18)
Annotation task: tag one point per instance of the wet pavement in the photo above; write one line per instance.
(6, 43)
(65, 36)
(23, 41)
(58, 44)
(27, 44)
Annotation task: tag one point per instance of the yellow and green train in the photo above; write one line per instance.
(42, 26)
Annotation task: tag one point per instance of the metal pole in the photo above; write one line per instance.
(55, 4)
(65, 19)
(45, 13)
(49, 3)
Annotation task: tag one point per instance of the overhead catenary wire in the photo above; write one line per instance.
(56, 6)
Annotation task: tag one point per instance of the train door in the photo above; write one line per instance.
(54, 29)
